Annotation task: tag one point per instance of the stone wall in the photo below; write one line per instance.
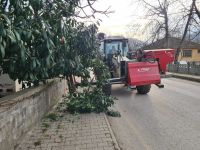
(21, 111)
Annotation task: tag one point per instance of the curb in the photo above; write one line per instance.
(116, 145)
(169, 75)
(186, 78)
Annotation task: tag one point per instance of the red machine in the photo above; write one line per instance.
(163, 56)
(147, 71)
(140, 72)
(143, 73)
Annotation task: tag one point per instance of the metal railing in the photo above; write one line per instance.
(184, 69)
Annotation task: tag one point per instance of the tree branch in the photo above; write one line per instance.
(186, 29)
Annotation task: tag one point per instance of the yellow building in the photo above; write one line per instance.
(190, 55)
(190, 51)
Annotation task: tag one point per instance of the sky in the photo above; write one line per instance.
(117, 21)
(125, 13)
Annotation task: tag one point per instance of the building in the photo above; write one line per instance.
(8, 86)
(190, 51)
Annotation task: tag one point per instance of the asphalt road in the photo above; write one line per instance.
(165, 119)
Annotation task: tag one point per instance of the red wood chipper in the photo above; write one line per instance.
(137, 70)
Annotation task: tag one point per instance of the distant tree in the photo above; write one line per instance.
(159, 18)
(135, 44)
(171, 18)
(101, 36)
(191, 25)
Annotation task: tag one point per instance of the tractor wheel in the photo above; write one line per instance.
(143, 89)
(107, 89)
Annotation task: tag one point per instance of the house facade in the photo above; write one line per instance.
(190, 55)
(189, 51)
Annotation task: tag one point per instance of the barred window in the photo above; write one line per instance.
(187, 53)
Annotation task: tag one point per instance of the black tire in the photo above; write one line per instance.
(107, 89)
(143, 89)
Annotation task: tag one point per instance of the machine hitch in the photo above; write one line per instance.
(121, 80)
(160, 85)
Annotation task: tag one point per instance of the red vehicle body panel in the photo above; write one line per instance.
(164, 57)
(143, 73)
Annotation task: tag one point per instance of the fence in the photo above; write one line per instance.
(184, 69)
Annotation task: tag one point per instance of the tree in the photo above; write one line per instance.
(193, 22)
(43, 39)
(30, 35)
(172, 18)
(134, 44)
(158, 16)
(35, 33)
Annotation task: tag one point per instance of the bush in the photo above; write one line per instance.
(113, 113)
(93, 98)
(86, 102)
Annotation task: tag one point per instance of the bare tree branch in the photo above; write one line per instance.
(197, 11)
(161, 11)
(186, 29)
(92, 10)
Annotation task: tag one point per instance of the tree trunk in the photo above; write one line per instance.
(71, 84)
(185, 30)
(166, 28)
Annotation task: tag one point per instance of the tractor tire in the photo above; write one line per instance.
(107, 89)
(143, 89)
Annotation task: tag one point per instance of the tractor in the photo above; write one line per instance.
(137, 70)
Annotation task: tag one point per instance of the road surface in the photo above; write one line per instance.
(165, 119)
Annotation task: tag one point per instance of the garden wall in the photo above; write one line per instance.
(21, 111)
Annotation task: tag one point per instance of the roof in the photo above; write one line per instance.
(115, 38)
(172, 43)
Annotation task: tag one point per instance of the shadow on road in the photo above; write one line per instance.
(119, 90)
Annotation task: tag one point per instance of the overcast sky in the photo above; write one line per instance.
(117, 21)
(125, 13)
(131, 12)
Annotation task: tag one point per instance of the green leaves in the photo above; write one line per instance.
(11, 36)
(5, 20)
(36, 4)
(18, 38)
(91, 101)
(2, 50)
(48, 59)
(40, 40)
(22, 52)
(34, 63)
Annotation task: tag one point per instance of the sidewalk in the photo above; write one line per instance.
(71, 132)
(184, 76)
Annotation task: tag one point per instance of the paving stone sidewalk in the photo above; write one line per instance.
(71, 132)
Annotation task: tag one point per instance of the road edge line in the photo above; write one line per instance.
(116, 145)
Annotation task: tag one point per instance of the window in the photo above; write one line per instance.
(199, 51)
(187, 53)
